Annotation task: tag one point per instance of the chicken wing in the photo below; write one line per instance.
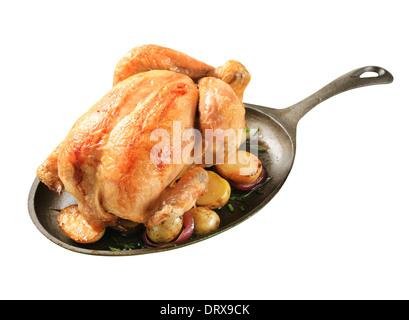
(153, 57)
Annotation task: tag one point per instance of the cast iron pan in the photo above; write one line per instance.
(277, 135)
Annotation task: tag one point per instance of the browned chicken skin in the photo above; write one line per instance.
(153, 57)
(106, 161)
(221, 112)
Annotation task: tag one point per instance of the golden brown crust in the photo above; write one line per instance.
(47, 173)
(236, 75)
(154, 57)
(182, 197)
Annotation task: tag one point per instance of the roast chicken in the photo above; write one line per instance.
(106, 160)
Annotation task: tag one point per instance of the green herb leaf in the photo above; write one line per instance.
(126, 246)
(254, 131)
(129, 246)
(241, 196)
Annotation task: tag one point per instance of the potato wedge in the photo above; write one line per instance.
(244, 169)
(73, 224)
(218, 192)
(206, 220)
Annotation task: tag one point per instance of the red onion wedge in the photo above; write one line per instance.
(187, 231)
(147, 241)
(250, 186)
(189, 225)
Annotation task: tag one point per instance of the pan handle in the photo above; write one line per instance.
(351, 80)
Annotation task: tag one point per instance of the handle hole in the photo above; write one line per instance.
(369, 74)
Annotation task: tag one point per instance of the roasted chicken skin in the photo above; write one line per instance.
(106, 160)
(153, 57)
(221, 112)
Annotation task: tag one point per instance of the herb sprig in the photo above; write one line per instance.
(129, 246)
(239, 196)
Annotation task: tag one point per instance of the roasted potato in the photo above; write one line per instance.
(165, 232)
(218, 192)
(244, 169)
(72, 223)
(205, 220)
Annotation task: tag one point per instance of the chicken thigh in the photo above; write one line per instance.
(106, 160)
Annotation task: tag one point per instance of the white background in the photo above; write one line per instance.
(338, 229)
